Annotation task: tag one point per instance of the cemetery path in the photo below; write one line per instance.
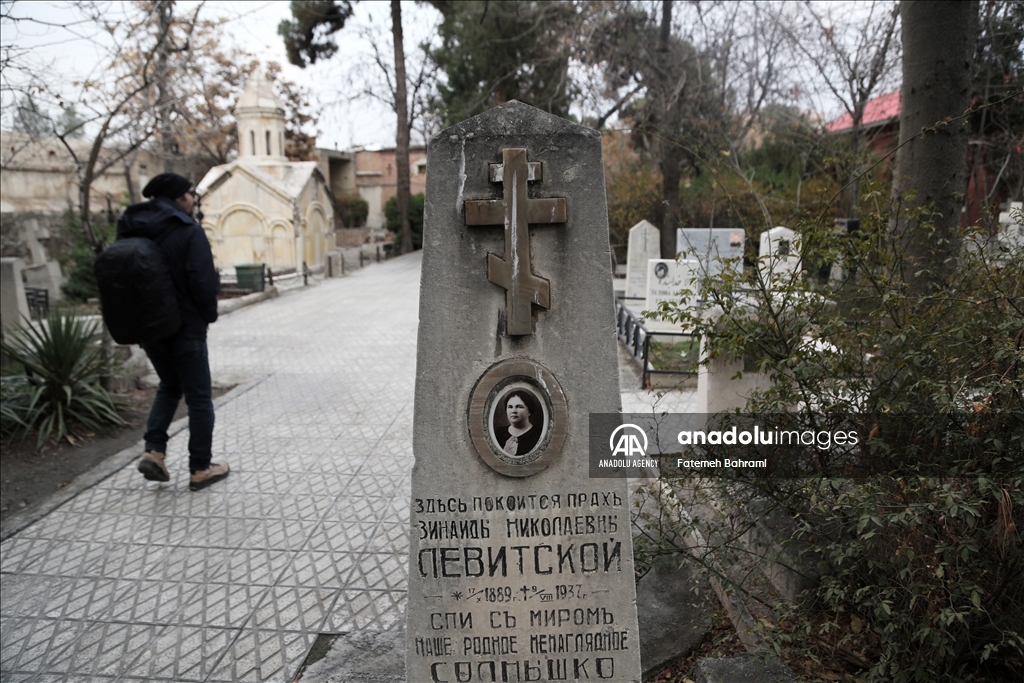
(134, 580)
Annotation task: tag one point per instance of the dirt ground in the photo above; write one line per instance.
(27, 476)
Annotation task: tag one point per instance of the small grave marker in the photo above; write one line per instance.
(644, 245)
(779, 256)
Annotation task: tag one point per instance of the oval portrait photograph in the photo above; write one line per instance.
(519, 420)
(517, 417)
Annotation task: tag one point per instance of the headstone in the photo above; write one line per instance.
(1011, 227)
(520, 565)
(779, 256)
(665, 280)
(14, 310)
(712, 247)
(644, 245)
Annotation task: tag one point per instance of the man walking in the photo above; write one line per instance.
(180, 360)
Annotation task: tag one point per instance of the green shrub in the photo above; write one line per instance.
(921, 566)
(352, 211)
(59, 381)
(415, 218)
(80, 257)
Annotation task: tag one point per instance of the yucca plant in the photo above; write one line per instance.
(59, 383)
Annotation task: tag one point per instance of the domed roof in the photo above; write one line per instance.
(258, 93)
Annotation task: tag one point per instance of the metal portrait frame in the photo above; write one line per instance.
(494, 383)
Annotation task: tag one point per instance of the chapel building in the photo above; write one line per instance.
(263, 208)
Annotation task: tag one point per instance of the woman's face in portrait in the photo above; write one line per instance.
(518, 413)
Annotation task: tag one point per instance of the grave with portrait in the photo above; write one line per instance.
(520, 565)
(674, 282)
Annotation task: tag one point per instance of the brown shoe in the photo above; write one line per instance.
(152, 466)
(203, 478)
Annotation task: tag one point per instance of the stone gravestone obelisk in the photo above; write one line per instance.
(520, 566)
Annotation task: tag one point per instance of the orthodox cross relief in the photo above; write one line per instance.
(516, 211)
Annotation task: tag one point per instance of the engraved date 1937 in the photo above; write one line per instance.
(504, 594)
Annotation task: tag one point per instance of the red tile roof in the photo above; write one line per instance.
(879, 110)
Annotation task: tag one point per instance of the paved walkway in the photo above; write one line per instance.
(134, 580)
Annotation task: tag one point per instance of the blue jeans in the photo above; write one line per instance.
(183, 366)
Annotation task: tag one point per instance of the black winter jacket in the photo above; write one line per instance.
(188, 255)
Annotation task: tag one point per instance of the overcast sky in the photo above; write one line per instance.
(71, 51)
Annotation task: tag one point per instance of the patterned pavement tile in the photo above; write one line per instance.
(302, 507)
(75, 647)
(397, 510)
(379, 572)
(390, 537)
(318, 569)
(77, 598)
(354, 508)
(223, 532)
(21, 551)
(294, 608)
(255, 566)
(219, 604)
(193, 563)
(336, 463)
(23, 595)
(358, 610)
(106, 648)
(344, 536)
(24, 677)
(260, 656)
(278, 534)
(246, 505)
(181, 653)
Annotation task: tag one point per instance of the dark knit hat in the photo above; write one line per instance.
(170, 185)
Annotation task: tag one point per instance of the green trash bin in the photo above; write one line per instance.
(251, 276)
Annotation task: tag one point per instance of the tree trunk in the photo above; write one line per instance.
(670, 173)
(164, 15)
(402, 138)
(931, 165)
(670, 153)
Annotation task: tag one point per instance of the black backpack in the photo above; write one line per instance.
(137, 294)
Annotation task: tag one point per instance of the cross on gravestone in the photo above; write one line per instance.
(516, 210)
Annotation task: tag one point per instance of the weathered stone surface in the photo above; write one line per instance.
(506, 571)
(672, 619)
(742, 669)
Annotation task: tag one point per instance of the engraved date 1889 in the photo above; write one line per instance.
(491, 594)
